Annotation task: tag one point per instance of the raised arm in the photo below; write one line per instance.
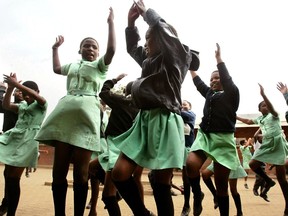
(109, 97)
(6, 103)
(175, 54)
(133, 15)
(137, 52)
(111, 46)
(193, 74)
(13, 83)
(218, 54)
(55, 56)
(284, 90)
(267, 101)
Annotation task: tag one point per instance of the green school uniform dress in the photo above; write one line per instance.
(247, 156)
(103, 143)
(76, 118)
(17, 146)
(274, 148)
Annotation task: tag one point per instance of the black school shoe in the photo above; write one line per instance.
(265, 197)
(267, 187)
(255, 192)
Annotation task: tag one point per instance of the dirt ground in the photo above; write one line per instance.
(36, 198)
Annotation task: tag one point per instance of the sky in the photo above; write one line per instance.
(252, 36)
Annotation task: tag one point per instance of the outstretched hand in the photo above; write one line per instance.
(11, 80)
(282, 87)
(261, 89)
(133, 13)
(218, 51)
(58, 42)
(140, 7)
(111, 15)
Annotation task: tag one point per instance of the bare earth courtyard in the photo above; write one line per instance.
(36, 198)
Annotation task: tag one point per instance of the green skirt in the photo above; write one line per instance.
(220, 147)
(103, 149)
(155, 140)
(274, 150)
(18, 147)
(186, 152)
(108, 159)
(75, 120)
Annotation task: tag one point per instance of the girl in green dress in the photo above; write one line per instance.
(18, 149)
(245, 148)
(273, 149)
(73, 127)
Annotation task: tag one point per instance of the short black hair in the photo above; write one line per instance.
(31, 85)
(88, 38)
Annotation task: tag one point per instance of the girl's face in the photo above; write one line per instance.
(28, 99)
(151, 46)
(185, 105)
(89, 50)
(18, 95)
(263, 108)
(215, 83)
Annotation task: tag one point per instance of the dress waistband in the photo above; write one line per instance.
(81, 92)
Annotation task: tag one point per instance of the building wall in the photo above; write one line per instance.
(47, 152)
(246, 132)
(46, 156)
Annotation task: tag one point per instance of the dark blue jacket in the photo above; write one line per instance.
(189, 118)
(219, 113)
(162, 75)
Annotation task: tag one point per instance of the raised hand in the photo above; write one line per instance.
(218, 53)
(11, 80)
(58, 42)
(282, 87)
(140, 7)
(111, 15)
(261, 89)
(133, 14)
